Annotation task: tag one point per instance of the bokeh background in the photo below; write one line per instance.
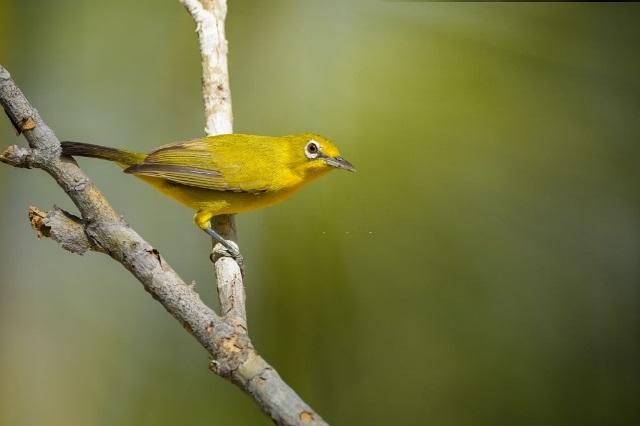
(481, 268)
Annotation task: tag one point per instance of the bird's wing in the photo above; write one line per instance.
(190, 163)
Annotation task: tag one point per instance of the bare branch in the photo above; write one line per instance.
(64, 228)
(273, 395)
(229, 279)
(209, 16)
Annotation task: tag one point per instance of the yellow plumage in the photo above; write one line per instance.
(226, 174)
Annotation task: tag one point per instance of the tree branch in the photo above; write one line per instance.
(63, 228)
(102, 229)
(209, 16)
(275, 398)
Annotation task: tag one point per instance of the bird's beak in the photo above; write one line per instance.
(339, 163)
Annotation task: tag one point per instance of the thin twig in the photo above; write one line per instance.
(209, 17)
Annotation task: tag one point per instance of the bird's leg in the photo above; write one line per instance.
(230, 247)
(233, 251)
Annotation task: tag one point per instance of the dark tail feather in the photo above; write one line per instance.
(121, 156)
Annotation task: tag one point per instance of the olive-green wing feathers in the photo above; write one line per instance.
(191, 163)
(184, 175)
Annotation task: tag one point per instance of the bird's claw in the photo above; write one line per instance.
(230, 249)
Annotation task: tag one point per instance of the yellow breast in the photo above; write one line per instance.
(210, 203)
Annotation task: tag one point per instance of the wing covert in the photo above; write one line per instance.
(191, 163)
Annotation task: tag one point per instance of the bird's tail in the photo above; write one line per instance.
(123, 157)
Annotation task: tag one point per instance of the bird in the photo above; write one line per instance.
(225, 174)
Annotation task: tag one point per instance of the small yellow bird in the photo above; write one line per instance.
(226, 174)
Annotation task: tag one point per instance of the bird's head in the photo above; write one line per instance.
(313, 155)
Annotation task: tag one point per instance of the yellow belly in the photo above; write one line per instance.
(209, 203)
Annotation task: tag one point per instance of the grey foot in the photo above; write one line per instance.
(230, 249)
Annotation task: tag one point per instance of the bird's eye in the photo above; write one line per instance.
(312, 149)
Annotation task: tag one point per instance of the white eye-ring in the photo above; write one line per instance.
(312, 150)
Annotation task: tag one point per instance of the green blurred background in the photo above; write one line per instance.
(481, 268)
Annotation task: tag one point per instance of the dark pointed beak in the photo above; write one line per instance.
(340, 163)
